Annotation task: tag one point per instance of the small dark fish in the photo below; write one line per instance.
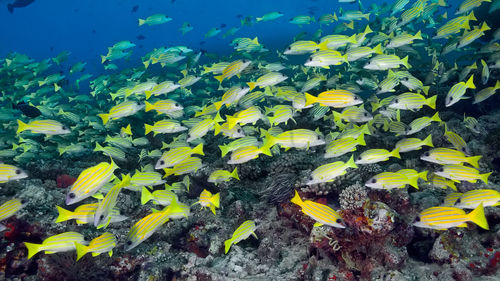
(223, 25)
(27, 110)
(18, 4)
(135, 8)
(140, 37)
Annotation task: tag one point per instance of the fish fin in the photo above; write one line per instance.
(148, 107)
(224, 150)
(218, 105)
(296, 199)
(251, 85)
(33, 249)
(473, 160)
(104, 117)
(234, 174)
(21, 126)
(470, 83)
(317, 224)
(428, 141)
(64, 214)
(431, 102)
(477, 216)
(227, 245)
(310, 99)
(141, 22)
(484, 177)
(198, 150)
(145, 195)
(81, 250)
(395, 153)
(148, 128)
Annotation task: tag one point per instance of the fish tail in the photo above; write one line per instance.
(64, 214)
(270, 139)
(98, 147)
(148, 128)
(378, 49)
(217, 128)
(423, 175)
(231, 121)
(104, 117)
(145, 195)
(215, 200)
(395, 153)
(352, 39)
(485, 27)
(323, 45)
(265, 148)
(168, 172)
(141, 22)
(361, 139)
(425, 89)
(251, 85)
(497, 85)
(310, 99)
(198, 150)
(428, 141)
(103, 59)
(148, 94)
(219, 78)
(337, 117)
(436, 118)
(218, 105)
(477, 216)
(128, 130)
(33, 249)
(414, 182)
(484, 177)
(470, 83)
(125, 180)
(234, 174)
(404, 61)
(224, 150)
(22, 126)
(418, 35)
(473, 160)
(442, 3)
(217, 118)
(228, 243)
(471, 16)
(451, 184)
(431, 102)
(350, 163)
(81, 250)
(146, 63)
(296, 199)
(60, 149)
(212, 208)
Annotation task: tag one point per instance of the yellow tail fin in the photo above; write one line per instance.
(104, 117)
(145, 195)
(64, 214)
(81, 250)
(477, 216)
(22, 126)
(33, 249)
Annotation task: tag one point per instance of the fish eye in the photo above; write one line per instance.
(459, 200)
(244, 61)
(356, 98)
(64, 128)
(310, 59)
(417, 219)
(427, 154)
(129, 242)
(373, 181)
(71, 195)
(23, 201)
(311, 178)
(239, 130)
(360, 158)
(101, 217)
(318, 137)
(463, 149)
(176, 104)
(341, 221)
(162, 162)
(18, 172)
(365, 114)
(441, 169)
(396, 101)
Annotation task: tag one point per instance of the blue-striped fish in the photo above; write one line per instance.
(90, 181)
(334, 98)
(47, 127)
(473, 198)
(102, 244)
(207, 199)
(242, 142)
(159, 197)
(325, 58)
(462, 173)
(106, 205)
(121, 110)
(10, 172)
(246, 229)
(411, 144)
(63, 242)
(188, 165)
(457, 91)
(330, 171)
(10, 207)
(320, 213)
(375, 155)
(219, 176)
(446, 217)
(177, 155)
(339, 147)
(234, 68)
(443, 156)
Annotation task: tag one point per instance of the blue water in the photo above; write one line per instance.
(87, 28)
